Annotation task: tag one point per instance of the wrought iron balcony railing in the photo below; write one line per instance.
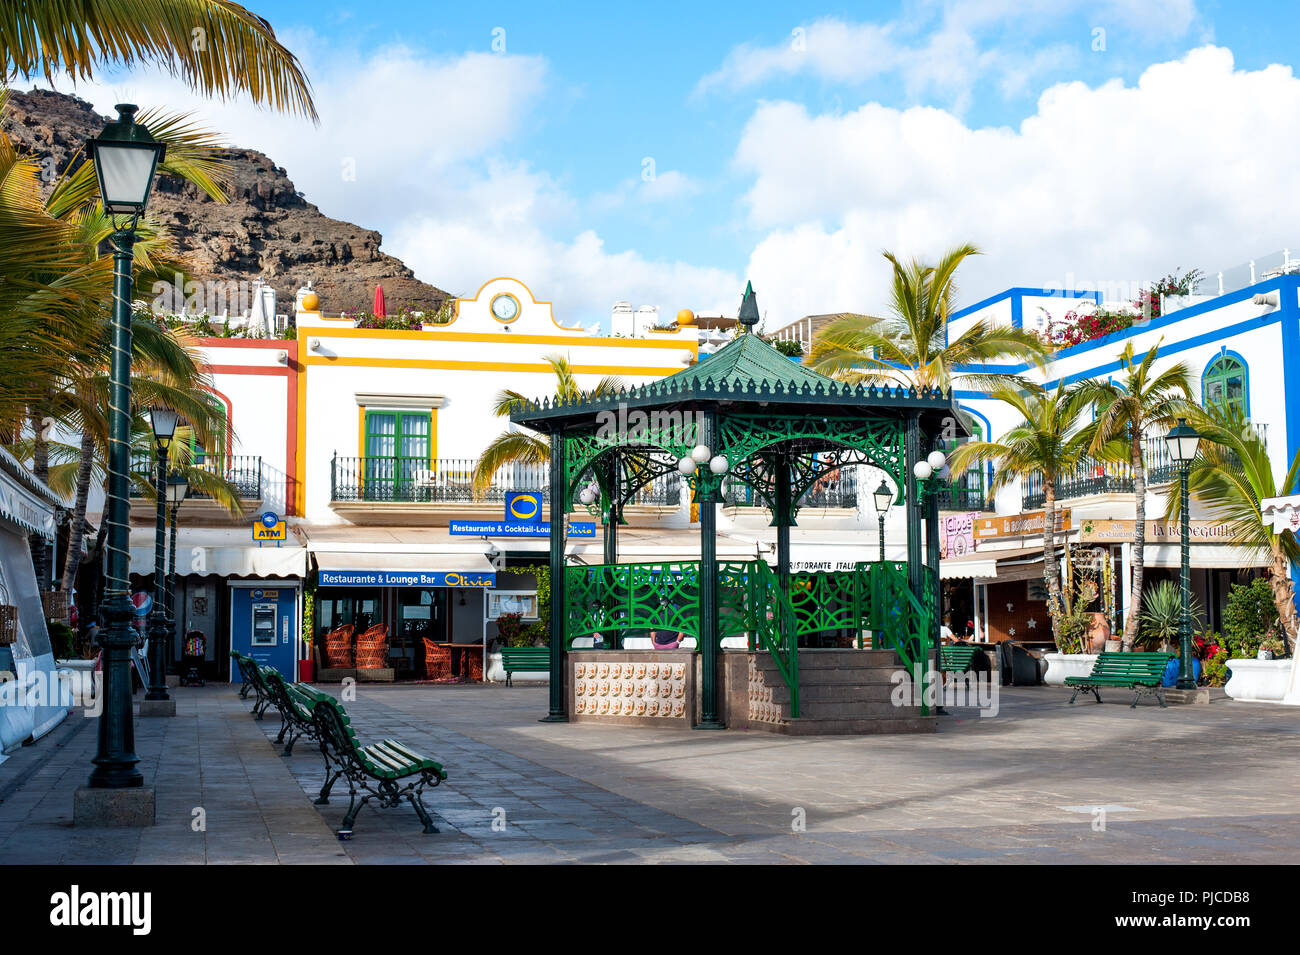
(244, 471)
(1095, 477)
(838, 488)
(451, 480)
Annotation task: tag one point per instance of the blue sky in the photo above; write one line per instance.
(787, 148)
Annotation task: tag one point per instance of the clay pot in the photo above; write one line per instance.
(1098, 632)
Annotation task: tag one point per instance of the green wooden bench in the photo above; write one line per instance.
(378, 770)
(1140, 672)
(294, 706)
(251, 672)
(956, 658)
(525, 660)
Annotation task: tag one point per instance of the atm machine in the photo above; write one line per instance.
(264, 624)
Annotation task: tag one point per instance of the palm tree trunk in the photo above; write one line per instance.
(1139, 538)
(40, 468)
(1051, 569)
(1279, 579)
(77, 533)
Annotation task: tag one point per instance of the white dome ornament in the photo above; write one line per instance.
(922, 470)
(587, 495)
(937, 460)
(701, 453)
(720, 464)
(687, 466)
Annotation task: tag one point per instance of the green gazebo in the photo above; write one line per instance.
(748, 414)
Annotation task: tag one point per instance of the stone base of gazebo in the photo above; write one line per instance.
(841, 691)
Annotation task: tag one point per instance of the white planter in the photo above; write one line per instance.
(1258, 681)
(496, 673)
(1062, 665)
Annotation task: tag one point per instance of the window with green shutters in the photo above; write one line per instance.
(398, 447)
(1224, 384)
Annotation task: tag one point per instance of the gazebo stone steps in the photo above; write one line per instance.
(840, 692)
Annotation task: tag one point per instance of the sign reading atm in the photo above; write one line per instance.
(406, 578)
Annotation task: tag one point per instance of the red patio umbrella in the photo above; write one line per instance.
(380, 310)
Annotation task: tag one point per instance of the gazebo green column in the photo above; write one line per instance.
(707, 485)
(930, 504)
(784, 518)
(614, 511)
(558, 712)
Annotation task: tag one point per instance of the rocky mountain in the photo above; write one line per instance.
(267, 230)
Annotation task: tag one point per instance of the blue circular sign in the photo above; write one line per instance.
(270, 519)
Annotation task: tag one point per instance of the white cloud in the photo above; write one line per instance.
(944, 48)
(1189, 167)
(580, 275)
(426, 137)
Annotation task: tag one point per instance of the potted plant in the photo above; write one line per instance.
(1250, 626)
(1072, 628)
(1161, 616)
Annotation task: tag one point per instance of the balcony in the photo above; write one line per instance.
(377, 489)
(243, 471)
(964, 497)
(1095, 477)
(835, 489)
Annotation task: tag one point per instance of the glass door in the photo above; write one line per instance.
(398, 446)
(421, 616)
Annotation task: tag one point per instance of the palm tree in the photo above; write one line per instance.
(1126, 409)
(521, 447)
(1232, 473)
(909, 345)
(1049, 441)
(217, 47)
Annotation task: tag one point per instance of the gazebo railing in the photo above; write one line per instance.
(612, 600)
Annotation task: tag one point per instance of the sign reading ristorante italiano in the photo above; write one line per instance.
(1157, 532)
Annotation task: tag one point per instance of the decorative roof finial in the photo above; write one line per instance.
(749, 308)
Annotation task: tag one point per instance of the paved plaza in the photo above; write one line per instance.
(1188, 784)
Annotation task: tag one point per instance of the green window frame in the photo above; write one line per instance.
(1224, 384)
(398, 445)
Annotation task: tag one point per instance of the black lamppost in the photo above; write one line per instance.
(177, 489)
(163, 421)
(125, 157)
(1182, 442)
(883, 497)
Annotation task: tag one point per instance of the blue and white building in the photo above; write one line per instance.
(1242, 347)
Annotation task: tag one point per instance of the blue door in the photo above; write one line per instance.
(264, 626)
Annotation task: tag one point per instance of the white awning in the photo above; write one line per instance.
(220, 552)
(1203, 556)
(968, 565)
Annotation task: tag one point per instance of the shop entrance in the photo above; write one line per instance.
(421, 616)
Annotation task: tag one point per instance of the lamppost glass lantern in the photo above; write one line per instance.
(1183, 442)
(884, 497)
(126, 156)
(178, 488)
(163, 421)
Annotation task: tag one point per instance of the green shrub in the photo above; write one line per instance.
(1216, 669)
(61, 641)
(1249, 616)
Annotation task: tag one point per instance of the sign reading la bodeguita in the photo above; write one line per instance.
(1019, 525)
(1157, 532)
